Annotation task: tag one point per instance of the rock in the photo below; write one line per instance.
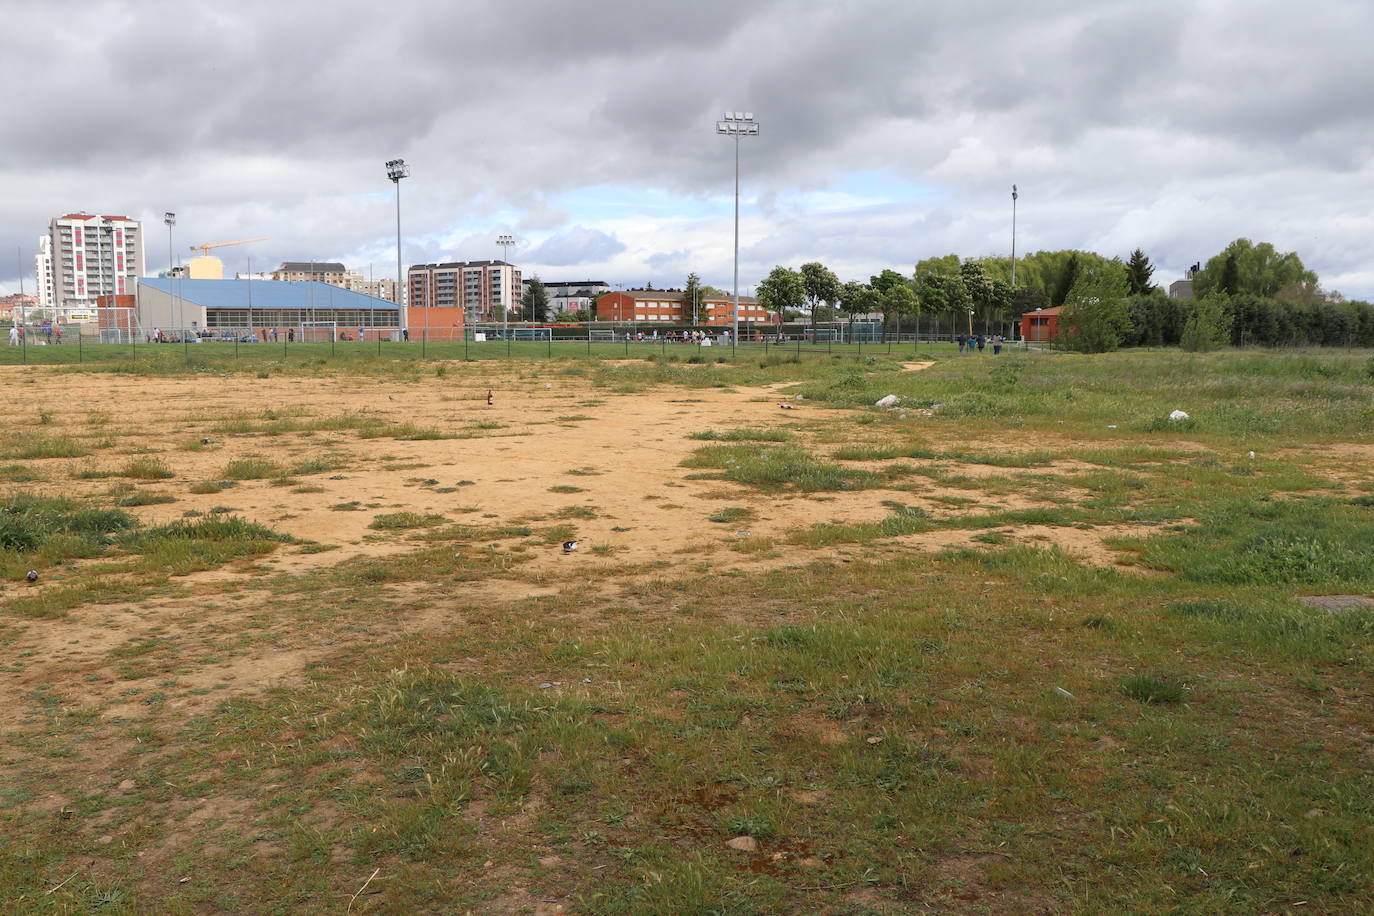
(890, 400)
(127, 785)
(744, 844)
(105, 840)
(550, 861)
(874, 739)
(1178, 415)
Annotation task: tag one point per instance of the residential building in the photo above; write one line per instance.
(572, 296)
(335, 274)
(42, 268)
(667, 305)
(17, 306)
(91, 256)
(476, 287)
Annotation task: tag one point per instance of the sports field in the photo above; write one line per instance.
(304, 636)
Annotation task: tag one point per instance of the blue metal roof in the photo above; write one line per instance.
(266, 294)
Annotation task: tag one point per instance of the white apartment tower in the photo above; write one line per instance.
(42, 269)
(92, 256)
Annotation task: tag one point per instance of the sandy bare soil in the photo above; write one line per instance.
(637, 507)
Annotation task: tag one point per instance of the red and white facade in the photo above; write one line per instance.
(476, 287)
(665, 305)
(87, 256)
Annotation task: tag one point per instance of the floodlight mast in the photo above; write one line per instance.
(504, 242)
(1013, 239)
(396, 169)
(170, 219)
(737, 124)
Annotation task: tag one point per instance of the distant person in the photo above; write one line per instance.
(405, 334)
(57, 336)
(360, 332)
(982, 342)
(996, 344)
(290, 335)
(14, 336)
(962, 340)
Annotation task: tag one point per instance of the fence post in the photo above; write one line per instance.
(424, 342)
(79, 357)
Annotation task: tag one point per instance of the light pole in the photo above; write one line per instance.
(171, 220)
(737, 124)
(504, 242)
(1013, 239)
(396, 169)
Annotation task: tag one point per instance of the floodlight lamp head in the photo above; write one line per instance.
(396, 169)
(1013, 192)
(169, 218)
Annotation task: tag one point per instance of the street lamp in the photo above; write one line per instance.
(504, 241)
(396, 169)
(737, 124)
(171, 220)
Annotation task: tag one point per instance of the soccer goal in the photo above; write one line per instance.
(315, 331)
(595, 334)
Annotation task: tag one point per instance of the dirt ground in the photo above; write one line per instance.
(637, 506)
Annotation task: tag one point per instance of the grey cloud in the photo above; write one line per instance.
(273, 119)
(579, 245)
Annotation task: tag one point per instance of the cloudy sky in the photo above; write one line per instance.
(890, 131)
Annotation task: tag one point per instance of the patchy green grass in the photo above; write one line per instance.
(402, 521)
(784, 467)
(997, 728)
(251, 469)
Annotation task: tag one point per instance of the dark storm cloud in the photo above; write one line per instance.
(1127, 123)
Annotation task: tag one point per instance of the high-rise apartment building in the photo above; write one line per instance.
(42, 269)
(477, 287)
(91, 256)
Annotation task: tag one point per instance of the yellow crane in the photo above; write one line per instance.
(205, 249)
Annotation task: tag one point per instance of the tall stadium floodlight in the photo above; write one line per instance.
(396, 169)
(737, 124)
(171, 220)
(504, 242)
(1013, 240)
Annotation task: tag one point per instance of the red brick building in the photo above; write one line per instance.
(667, 306)
(1041, 325)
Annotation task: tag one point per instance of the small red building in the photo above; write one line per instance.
(1041, 325)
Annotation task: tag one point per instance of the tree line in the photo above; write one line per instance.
(1246, 295)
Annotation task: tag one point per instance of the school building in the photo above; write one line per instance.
(669, 306)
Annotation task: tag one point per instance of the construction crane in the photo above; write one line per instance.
(205, 249)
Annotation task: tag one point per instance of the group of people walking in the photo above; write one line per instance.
(971, 342)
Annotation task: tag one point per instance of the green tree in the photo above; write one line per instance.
(1208, 326)
(691, 297)
(1138, 273)
(1244, 268)
(534, 305)
(898, 302)
(1095, 318)
(858, 299)
(781, 290)
(820, 285)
